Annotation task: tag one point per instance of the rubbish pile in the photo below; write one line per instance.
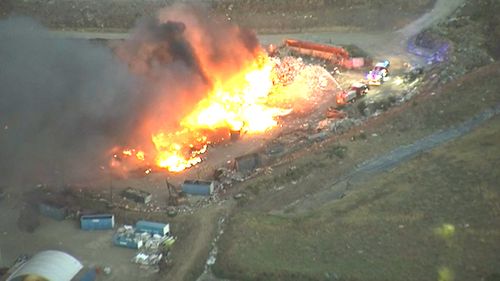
(228, 176)
(309, 79)
(153, 249)
(153, 241)
(286, 69)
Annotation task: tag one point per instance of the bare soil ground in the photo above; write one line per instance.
(198, 242)
(195, 232)
(91, 248)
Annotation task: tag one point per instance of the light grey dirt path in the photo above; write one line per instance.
(385, 162)
(387, 44)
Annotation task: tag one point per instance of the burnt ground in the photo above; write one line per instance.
(263, 16)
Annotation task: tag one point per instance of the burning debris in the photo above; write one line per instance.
(182, 83)
(241, 101)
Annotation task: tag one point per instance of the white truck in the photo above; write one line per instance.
(379, 73)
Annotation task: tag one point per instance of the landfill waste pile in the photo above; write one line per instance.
(152, 243)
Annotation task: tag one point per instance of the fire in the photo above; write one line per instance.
(237, 104)
(139, 154)
(248, 102)
(176, 152)
(201, 79)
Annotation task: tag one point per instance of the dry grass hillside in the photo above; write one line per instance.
(431, 218)
(262, 15)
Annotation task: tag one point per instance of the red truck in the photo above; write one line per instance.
(356, 91)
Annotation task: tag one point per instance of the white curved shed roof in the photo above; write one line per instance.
(51, 265)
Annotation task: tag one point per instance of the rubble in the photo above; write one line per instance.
(343, 125)
(228, 176)
(294, 72)
(137, 195)
(151, 247)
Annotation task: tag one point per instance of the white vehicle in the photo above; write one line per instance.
(379, 73)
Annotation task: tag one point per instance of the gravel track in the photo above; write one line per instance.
(388, 161)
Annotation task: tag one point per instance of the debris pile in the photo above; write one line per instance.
(227, 177)
(152, 240)
(126, 236)
(286, 69)
(153, 250)
(303, 78)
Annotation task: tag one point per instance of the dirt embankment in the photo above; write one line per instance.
(473, 36)
(262, 15)
(434, 216)
(339, 245)
(454, 91)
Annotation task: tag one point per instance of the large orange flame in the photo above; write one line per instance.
(228, 85)
(240, 103)
(237, 104)
(249, 102)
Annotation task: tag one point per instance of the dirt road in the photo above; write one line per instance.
(387, 44)
(193, 252)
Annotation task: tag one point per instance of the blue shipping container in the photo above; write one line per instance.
(152, 227)
(196, 187)
(52, 211)
(126, 241)
(97, 222)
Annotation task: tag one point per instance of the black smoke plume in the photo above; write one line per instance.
(64, 103)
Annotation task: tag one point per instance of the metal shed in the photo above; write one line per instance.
(246, 164)
(197, 187)
(97, 222)
(52, 211)
(152, 227)
(49, 265)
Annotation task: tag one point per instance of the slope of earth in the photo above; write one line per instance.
(473, 33)
(263, 16)
(432, 217)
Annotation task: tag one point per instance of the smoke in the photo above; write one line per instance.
(183, 52)
(62, 103)
(65, 103)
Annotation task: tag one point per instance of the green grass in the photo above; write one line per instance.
(436, 217)
(338, 150)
